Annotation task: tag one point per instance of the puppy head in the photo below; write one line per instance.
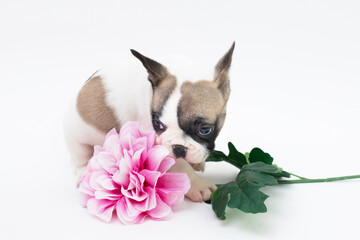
(188, 116)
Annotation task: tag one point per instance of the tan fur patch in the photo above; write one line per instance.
(201, 99)
(198, 166)
(162, 92)
(92, 107)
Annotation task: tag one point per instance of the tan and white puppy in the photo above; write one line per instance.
(186, 113)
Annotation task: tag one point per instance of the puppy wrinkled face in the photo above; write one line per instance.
(180, 142)
(201, 112)
(188, 116)
(190, 121)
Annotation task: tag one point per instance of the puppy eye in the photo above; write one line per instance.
(205, 131)
(158, 125)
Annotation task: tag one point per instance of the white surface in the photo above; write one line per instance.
(295, 93)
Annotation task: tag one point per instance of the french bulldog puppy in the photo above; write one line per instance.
(187, 114)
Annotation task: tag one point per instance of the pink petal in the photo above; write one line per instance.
(135, 160)
(93, 182)
(112, 143)
(138, 180)
(106, 182)
(125, 142)
(85, 185)
(169, 197)
(84, 199)
(150, 138)
(108, 162)
(127, 133)
(177, 182)
(111, 133)
(130, 128)
(172, 187)
(166, 164)
(121, 178)
(161, 211)
(97, 149)
(135, 189)
(126, 162)
(152, 198)
(109, 184)
(132, 212)
(151, 177)
(155, 157)
(109, 195)
(85, 190)
(127, 214)
(138, 143)
(94, 163)
(103, 209)
(137, 197)
(148, 203)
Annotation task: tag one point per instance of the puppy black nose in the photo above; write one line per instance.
(179, 151)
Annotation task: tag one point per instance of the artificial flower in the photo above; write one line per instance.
(128, 175)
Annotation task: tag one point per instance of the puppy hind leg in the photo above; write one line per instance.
(80, 156)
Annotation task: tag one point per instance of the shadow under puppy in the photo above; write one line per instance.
(187, 114)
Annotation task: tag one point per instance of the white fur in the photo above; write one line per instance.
(80, 138)
(128, 92)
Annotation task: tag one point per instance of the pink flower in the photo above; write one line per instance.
(128, 174)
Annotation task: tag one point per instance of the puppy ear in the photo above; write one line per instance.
(157, 72)
(221, 77)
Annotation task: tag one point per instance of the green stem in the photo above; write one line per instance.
(306, 180)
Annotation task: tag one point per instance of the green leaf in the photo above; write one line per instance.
(258, 155)
(258, 173)
(216, 156)
(248, 198)
(260, 167)
(244, 193)
(220, 198)
(262, 179)
(280, 174)
(235, 157)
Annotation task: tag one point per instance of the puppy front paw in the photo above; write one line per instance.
(200, 190)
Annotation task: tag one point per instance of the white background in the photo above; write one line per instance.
(295, 93)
